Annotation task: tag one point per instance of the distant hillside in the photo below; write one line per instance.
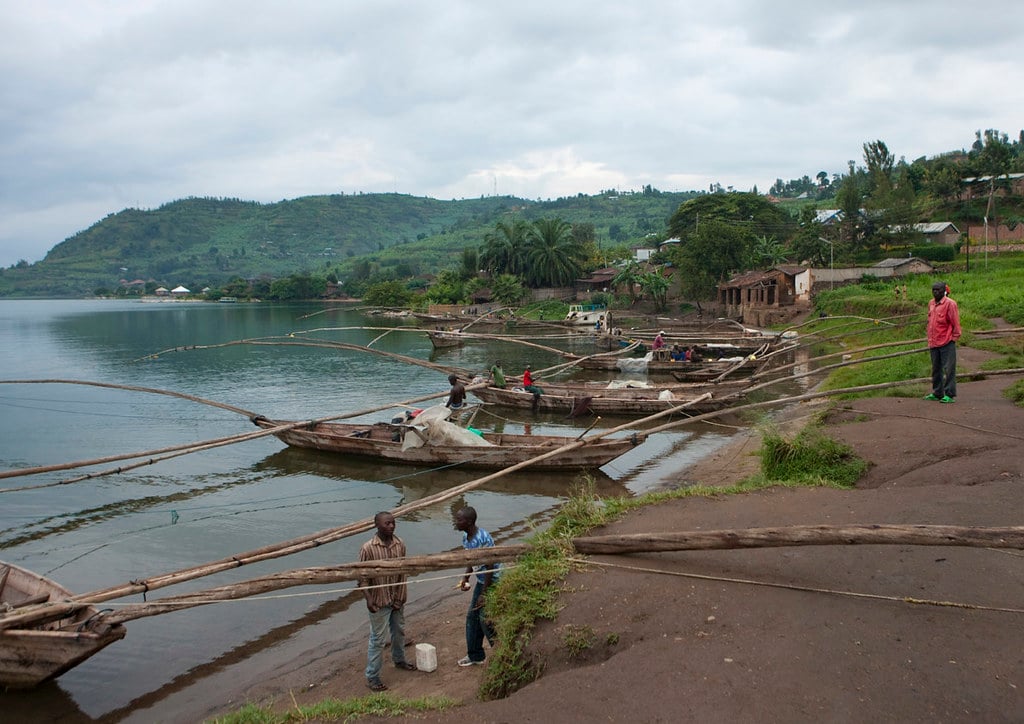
(202, 242)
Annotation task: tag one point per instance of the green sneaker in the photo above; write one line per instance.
(948, 399)
(930, 396)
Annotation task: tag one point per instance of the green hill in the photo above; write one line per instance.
(203, 242)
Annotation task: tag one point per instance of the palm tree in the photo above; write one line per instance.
(504, 249)
(554, 258)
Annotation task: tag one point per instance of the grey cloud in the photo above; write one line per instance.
(109, 104)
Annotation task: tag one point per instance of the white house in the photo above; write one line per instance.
(180, 291)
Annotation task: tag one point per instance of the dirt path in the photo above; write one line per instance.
(786, 634)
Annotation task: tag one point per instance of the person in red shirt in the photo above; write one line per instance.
(530, 387)
(943, 332)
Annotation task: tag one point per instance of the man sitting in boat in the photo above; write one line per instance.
(457, 396)
(497, 375)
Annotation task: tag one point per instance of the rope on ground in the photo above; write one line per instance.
(805, 589)
(973, 428)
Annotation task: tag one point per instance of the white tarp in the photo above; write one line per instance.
(433, 428)
(628, 384)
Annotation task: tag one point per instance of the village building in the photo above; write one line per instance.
(901, 267)
(939, 232)
(763, 298)
(599, 280)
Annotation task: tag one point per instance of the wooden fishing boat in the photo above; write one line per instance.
(411, 445)
(682, 371)
(598, 399)
(445, 340)
(50, 646)
(708, 347)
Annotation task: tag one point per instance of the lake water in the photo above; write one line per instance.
(204, 506)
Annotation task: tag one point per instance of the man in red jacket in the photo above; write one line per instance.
(943, 332)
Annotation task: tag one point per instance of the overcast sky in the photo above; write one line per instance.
(109, 104)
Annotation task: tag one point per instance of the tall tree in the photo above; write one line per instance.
(993, 160)
(880, 163)
(850, 198)
(504, 249)
(470, 262)
(752, 213)
(709, 256)
(554, 257)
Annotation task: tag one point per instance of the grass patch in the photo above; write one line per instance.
(578, 639)
(338, 710)
(529, 593)
(811, 457)
(1015, 393)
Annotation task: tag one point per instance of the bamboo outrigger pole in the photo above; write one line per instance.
(701, 540)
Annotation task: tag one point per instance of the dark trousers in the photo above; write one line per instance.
(477, 626)
(944, 370)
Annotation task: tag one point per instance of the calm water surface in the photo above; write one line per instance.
(200, 507)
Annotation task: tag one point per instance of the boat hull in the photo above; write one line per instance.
(445, 340)
(377, 441)
(628, 403)
(30, 656)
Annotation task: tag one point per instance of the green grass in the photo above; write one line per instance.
(1015, 393)
(862, 315)
(810, 457)
(385, 705)
(578, 639)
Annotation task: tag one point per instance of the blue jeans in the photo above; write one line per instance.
(477, 627)
(380, 621)
(944, 370)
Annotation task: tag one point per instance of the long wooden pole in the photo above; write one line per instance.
(1008, 537)
(805, 535)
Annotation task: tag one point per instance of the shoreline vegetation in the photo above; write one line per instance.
(794, 451)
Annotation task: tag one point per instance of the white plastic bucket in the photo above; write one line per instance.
(426, 657)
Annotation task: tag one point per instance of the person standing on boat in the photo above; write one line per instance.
(457, 396)
(659, 341)
(497, 375)
(477, 625)
(943, 332)
(385, 600)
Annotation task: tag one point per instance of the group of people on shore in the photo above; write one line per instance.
(386, 596)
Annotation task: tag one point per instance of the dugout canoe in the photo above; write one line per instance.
(445, 340)
(51, 645)
(600, 400)
(405, 444)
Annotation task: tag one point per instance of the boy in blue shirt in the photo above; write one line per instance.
(477, 626)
